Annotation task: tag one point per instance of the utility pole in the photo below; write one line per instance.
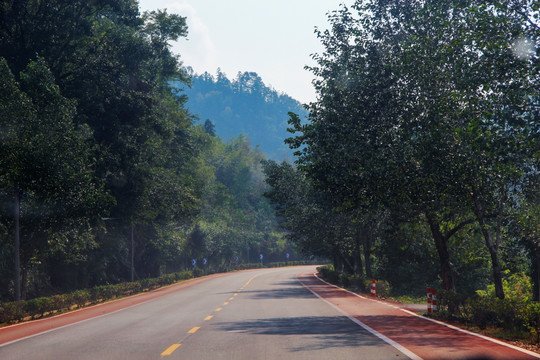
(132, 255)
(16, 216)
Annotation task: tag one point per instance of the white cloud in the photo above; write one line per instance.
(198, 51)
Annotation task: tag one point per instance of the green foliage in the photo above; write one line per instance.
(246, 106)
(235, 223)
(328, 273)
(354, 281)
(516, 312)
(427, 112)
(517, 287)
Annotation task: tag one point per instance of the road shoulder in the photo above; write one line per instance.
(425, 338)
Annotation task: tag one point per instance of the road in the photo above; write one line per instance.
(259, 314)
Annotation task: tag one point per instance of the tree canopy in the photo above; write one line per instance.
(428, 110)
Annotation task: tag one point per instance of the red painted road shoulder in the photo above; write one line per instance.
(421, 336)
(23, 330)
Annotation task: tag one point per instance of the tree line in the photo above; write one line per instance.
(243, 105)
(419, 159)
(104, 174)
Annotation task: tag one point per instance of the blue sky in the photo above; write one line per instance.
(272, 38)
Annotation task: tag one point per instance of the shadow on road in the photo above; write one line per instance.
(280, 293)
(326, 331)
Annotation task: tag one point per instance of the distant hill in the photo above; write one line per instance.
(246, 106)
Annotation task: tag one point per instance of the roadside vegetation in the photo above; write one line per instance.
(418, 163)
(514, 318)
(105, 176)
(37, 308)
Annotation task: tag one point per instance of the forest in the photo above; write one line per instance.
(244, 105)
(105, 176)
(422, 150)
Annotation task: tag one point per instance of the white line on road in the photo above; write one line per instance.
(536, 355)
(389, 341)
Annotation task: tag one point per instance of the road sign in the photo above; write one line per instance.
(193, 262)
(288, 255)
(204, 261)
(261, 256)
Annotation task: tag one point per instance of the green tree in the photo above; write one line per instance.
(423, 108)
(48, 159)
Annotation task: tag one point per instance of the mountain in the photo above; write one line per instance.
(244, 105)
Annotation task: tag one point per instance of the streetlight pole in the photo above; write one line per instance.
(132, 255)
(16, 214)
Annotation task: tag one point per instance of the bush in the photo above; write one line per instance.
(38, 306)
(12, 311)
(328, 273)
(59, 302)
(451, 303)
(383, 288)
(80, 297)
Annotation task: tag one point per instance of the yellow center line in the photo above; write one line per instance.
(219, 309)
(231, 298)
(226, 303)
(194, 330)
(246, 284)
(208, 317)
(235, 294)
(170, 349)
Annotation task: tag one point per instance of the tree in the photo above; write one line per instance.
(423, 109)
(47, 159)
(115, 66)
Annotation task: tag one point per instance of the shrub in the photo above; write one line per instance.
(344, 280)
(451, 303)
(328, 273)
(59, 302)
(38, 306)
(479, 311)
(533, 320)
(80, 297)
(11, 311)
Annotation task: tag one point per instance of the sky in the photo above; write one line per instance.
(273, 38)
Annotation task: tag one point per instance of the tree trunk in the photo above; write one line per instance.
(359, 268)
(495, 263)
(442, 249)
(492, 248)
(24, 283)
(536, 274)
(368, 241)
(347, 266)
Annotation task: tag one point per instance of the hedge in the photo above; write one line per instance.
(11, 312)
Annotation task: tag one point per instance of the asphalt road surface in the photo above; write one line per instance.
(284, 313)
(263, 314)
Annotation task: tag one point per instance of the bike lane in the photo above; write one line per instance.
(425, 338)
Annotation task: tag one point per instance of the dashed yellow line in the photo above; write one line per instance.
(247, 283)
(193, 330)
(170, 349)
